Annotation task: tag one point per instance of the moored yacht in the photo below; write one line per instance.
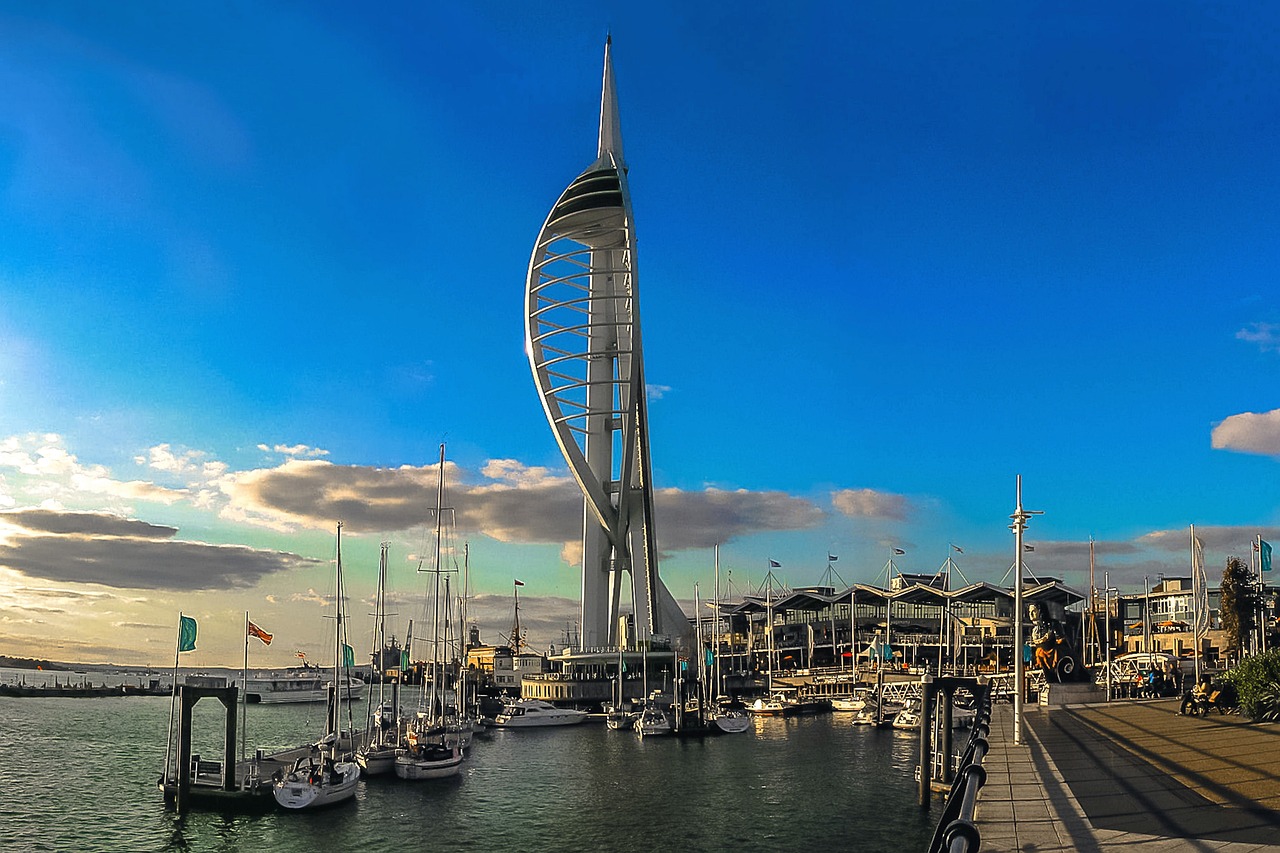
(530, 713)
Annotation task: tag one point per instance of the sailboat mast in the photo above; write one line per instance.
(719, 628)
(435, 626)
(768, 608)
(336, 722)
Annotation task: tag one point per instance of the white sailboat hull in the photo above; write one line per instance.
(376, 761)
(732, 722)
(413, 765)
(305, 789)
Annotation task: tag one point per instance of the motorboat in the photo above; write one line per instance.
(768, 706)
(908, 718)
(530, 713)
(853, 702)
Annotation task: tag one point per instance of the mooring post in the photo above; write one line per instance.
(948, 719)
(927, 694)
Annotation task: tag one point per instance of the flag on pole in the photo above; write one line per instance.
(1029, 547)
(774, 564)
(348, 656)
(255, 631)
(831, 558)
(302, 655)
(959, 550)
(1266, 554)
(899, 551)
(186, 634)
(1202, 594)
(519, 583)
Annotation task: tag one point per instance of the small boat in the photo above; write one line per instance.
(908, 718)
(653, 721)
(530, 713)
(869, 715)
(315, 781)
(771, 706)
(853, 702)
(325, 779)
(377, 755)
(731, 718)
(428, 761)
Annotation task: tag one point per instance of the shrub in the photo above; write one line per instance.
(1257, 683)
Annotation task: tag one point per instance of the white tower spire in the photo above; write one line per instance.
(583, 340)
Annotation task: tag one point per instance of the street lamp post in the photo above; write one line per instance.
(1106, 599)
(1019, 517)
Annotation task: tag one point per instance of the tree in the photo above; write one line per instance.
(1238, 605)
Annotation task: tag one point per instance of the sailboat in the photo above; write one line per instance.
(323, 777)
(729, 716)
(377, 755)
(428, 755)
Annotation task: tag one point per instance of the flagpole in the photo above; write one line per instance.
(173, 695)
(244, 687)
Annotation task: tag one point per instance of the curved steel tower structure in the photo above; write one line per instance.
(582, 334)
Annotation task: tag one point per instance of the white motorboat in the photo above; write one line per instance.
(854, 702)
(909, 717)
(770, 706)
(428, 761)
(530, 713)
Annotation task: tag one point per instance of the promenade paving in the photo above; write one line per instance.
(1132, 776)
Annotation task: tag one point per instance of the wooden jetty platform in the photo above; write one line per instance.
(226, 783)
(1133, 776)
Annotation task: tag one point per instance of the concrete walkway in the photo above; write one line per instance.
(1133, 776)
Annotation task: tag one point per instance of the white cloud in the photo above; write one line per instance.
(1249, 432)
(297, 451)
(191, 464)
(868, 503)
(1265, 335)
(54, 476)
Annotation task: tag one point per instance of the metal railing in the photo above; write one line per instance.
(956, 831)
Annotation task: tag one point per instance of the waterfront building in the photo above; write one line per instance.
(1161, 619)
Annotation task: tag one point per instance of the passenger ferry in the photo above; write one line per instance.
(298, 685)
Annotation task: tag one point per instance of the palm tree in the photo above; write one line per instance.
(1237, 605)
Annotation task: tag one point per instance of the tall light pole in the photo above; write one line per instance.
(1020, 517)
(1106, 593)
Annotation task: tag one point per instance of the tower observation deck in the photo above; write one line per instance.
(582, 335)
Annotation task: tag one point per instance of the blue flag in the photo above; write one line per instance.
(186, 634)
(711, 658)
(1265, 548)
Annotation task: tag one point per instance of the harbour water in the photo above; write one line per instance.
(82, 775)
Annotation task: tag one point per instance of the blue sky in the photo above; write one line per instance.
(258, 262)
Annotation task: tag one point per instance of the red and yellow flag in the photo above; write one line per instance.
(255, 631)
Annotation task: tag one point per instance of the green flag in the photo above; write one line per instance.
(348, 655)
(404, 660)
(1265, 547)
(186, 634)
